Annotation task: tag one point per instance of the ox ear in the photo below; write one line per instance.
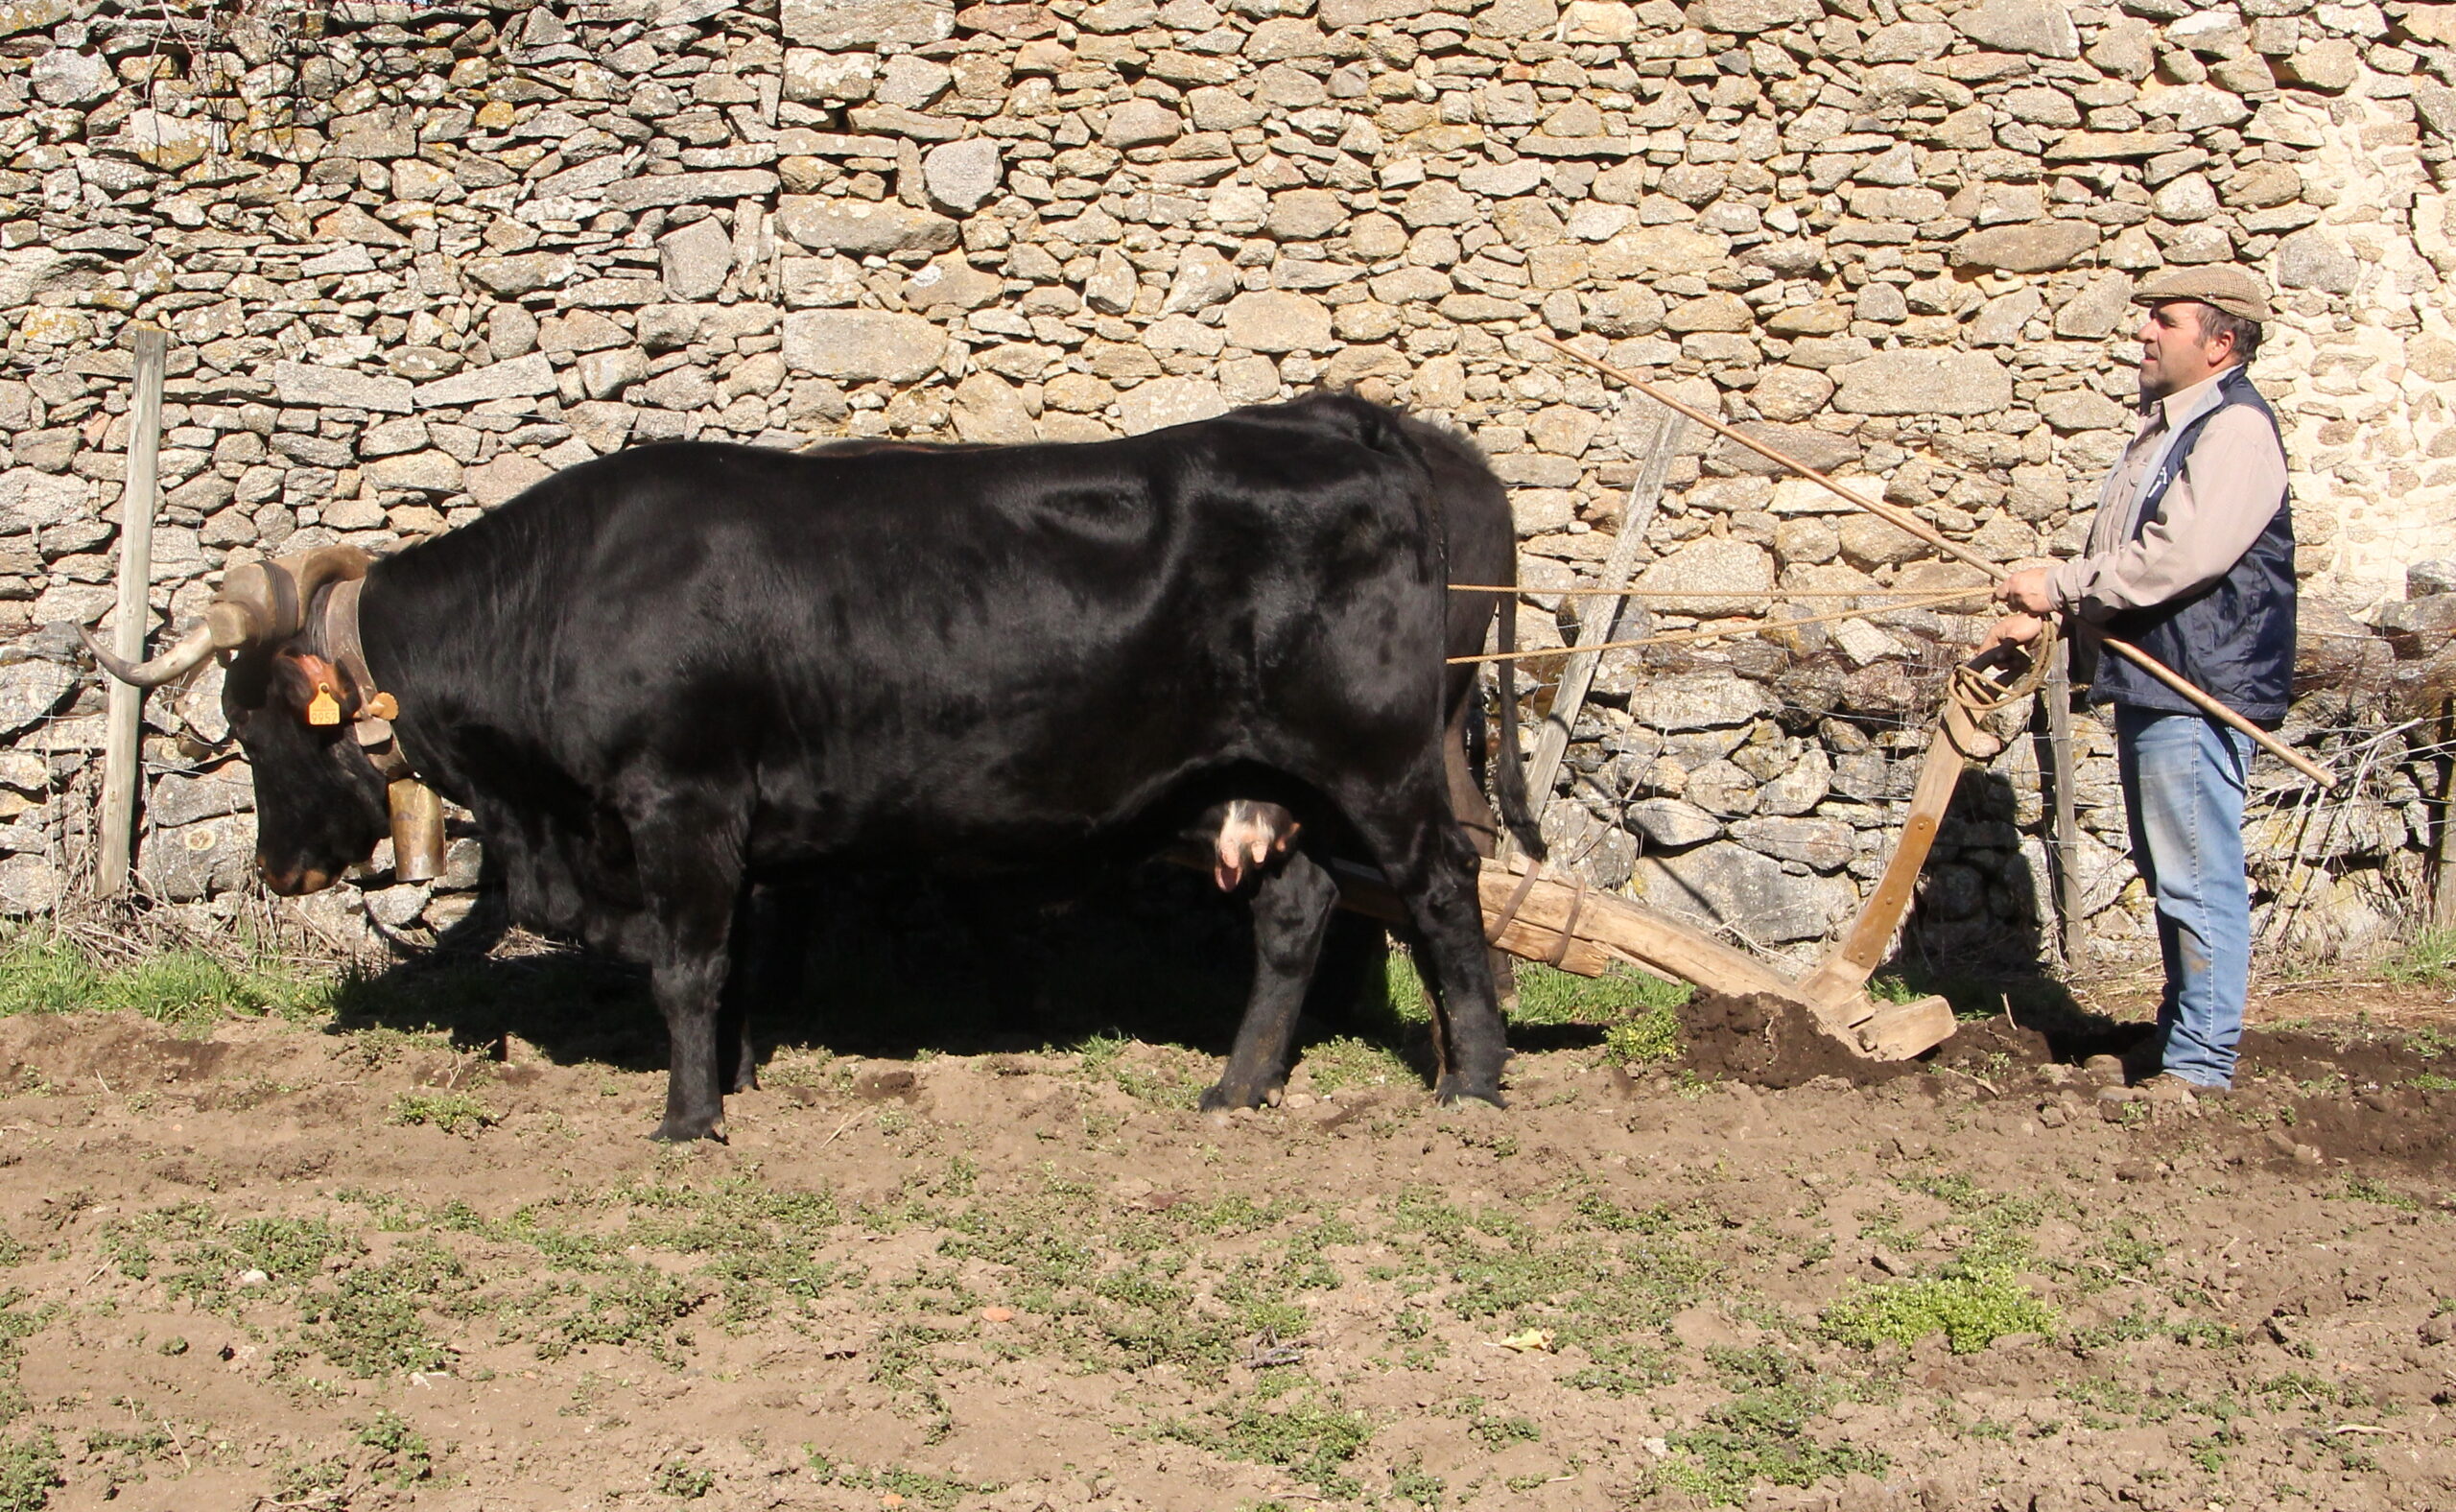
(314, 689)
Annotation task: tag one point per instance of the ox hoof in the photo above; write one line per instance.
(1223, 1098)
(676, 1131)
(1458, 1095)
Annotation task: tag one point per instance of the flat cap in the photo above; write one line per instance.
(2236, 291)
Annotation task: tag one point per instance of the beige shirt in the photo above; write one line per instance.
(2230, 488)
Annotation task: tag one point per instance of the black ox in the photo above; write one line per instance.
(664, 676)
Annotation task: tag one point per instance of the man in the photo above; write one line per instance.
(2190, 558)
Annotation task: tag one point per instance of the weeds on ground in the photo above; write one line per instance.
(1972, 1310)
(201, 1257)
(406, 1459)
(1299, 1426)
(453, 1112)
(1345, 1061)
(915, 1487)
(1763, 1436)
(28, 1471)
(683, 1480)
(1546, 996)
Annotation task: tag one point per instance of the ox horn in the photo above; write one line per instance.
(257, 601)
(325, 564)
(225, 625)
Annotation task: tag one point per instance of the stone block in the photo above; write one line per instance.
(693, 261)
(1727, 883)
(862, 345)
(1672, 823)
(2036, 247)
(2314, 259)
(1922, 381)
(1699, 701)
(1142, 123)
(1275, 321)
(1160, 402)
(425, 471)
(306, 384)
(520, 377)
(1747, 17)
(2042, 27)
(861, 25)
(30, 691)
(962, 177)
(651, 191)
(1821, 844)
(863, 228)
(509, 475)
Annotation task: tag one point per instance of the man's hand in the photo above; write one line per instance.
(2013, 629)
(2026, 591)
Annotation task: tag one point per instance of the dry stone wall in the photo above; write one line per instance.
(414, 257)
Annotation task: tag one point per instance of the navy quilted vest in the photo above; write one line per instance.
(2235, 637)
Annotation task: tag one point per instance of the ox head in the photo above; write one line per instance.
(319, 800)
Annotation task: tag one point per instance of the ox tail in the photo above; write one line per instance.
(1509, 780)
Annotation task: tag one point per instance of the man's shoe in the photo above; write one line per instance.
(2167, 1087)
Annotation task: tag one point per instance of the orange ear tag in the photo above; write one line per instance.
(323, 709)
(384, 706)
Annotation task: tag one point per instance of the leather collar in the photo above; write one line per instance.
(337, 629)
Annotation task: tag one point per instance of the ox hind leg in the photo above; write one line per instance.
(690, 867)
(1431, 866)
(764, 969)
(1293, 904)
(1475, 815)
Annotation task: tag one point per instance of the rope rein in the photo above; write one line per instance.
(1675, 637)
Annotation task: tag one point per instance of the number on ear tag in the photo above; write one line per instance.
(323, 709)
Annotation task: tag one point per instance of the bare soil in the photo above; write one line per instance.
(361, 1265)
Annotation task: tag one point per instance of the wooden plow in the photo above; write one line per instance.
(1560, 921)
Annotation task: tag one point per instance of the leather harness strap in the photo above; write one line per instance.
(337, 629)
(1508, 914)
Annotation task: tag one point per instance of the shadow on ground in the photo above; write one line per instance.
(1997, 957)
(894, 968)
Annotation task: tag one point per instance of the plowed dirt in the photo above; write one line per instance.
(281, 1265)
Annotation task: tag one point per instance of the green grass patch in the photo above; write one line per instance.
(1345, 1061)
(1548, 996)
(2429, 959)
(453, 1112)
(1650, 1038)
(1972, 1310)
(43, 973)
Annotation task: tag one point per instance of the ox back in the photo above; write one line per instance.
(665, 675)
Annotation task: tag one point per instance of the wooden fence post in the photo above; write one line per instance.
(123, 749)
(1645, 494)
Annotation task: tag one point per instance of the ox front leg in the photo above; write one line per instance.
(690, 877)
(1292, 907)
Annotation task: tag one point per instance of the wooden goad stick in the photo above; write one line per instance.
(1919, 529)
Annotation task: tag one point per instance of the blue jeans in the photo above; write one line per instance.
(2183, 783)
